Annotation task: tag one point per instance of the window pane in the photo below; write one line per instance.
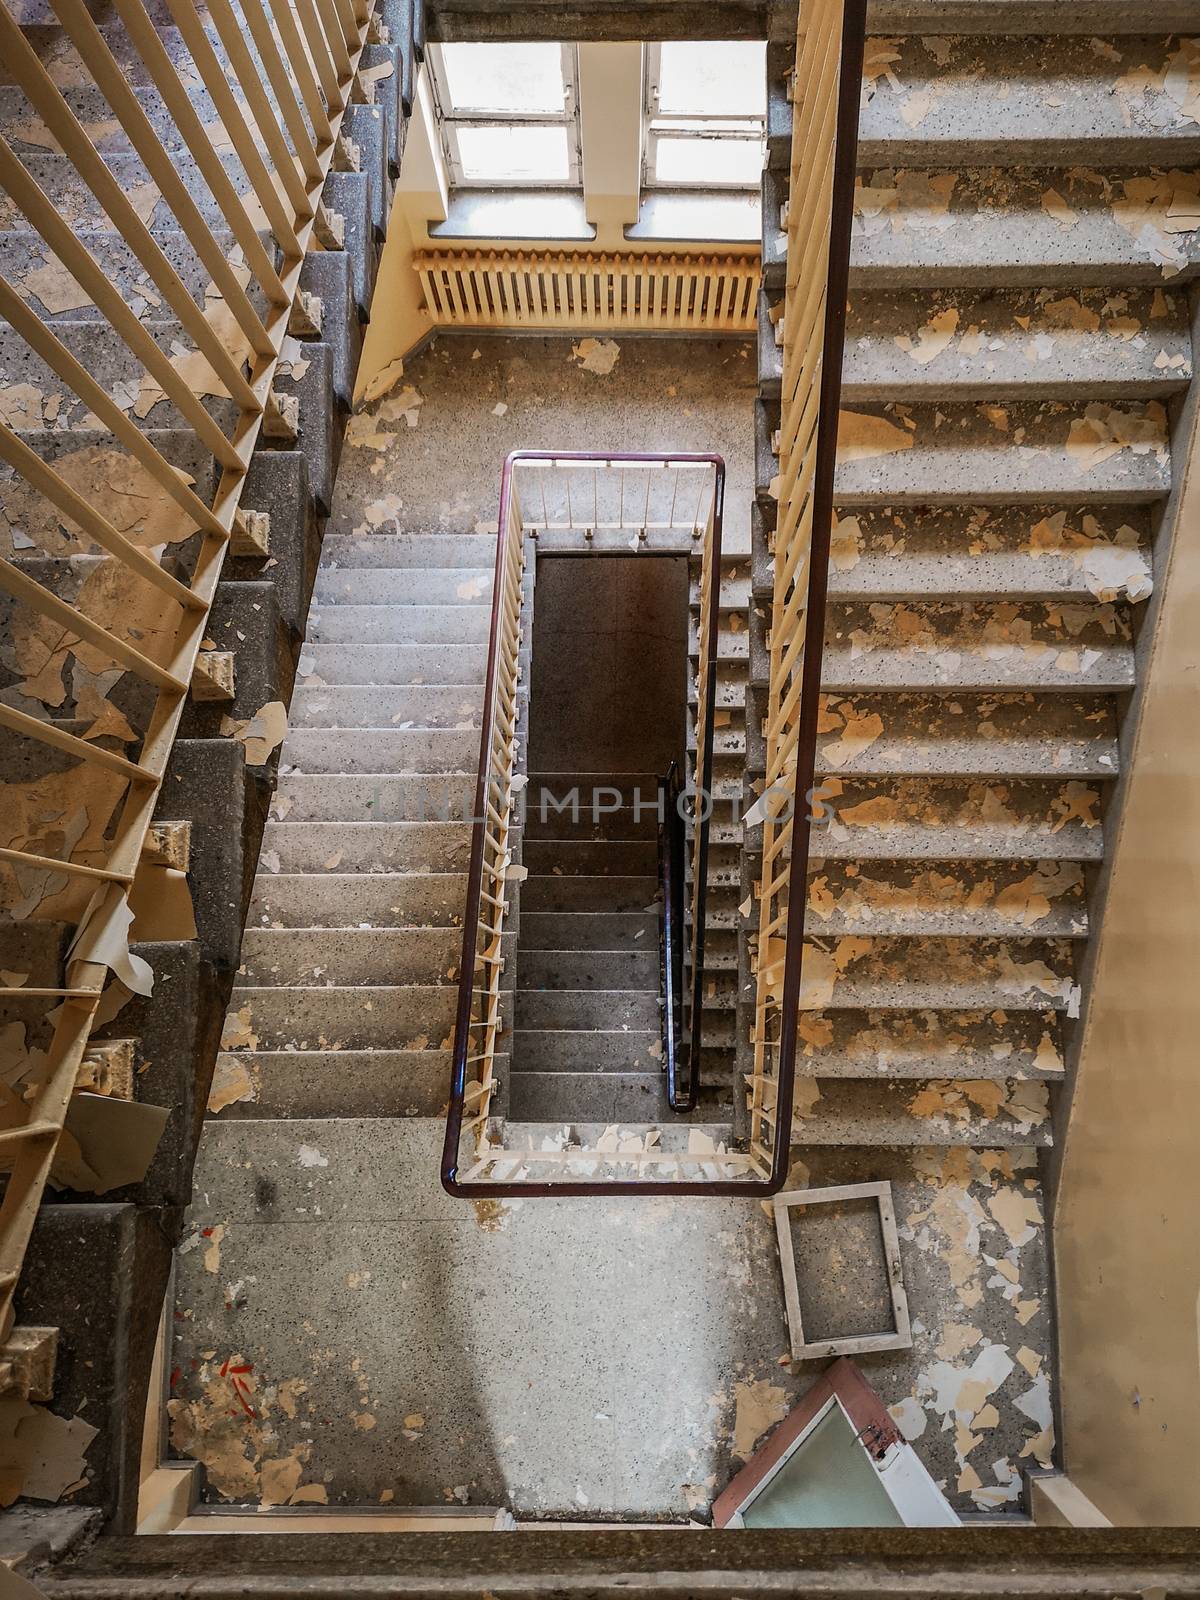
(728, 78)
(504, 77)
(514, 153)
(708, 161)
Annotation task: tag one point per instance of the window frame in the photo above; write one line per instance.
(449, 121)
(697, 125)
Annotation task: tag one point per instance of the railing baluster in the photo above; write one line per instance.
(46, 98)
(277, 76)
(241, 134)
(175, 97)
(162, 167)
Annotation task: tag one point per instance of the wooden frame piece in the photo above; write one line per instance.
(852, 1344)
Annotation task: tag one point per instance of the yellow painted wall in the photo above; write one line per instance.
(1127, 1228)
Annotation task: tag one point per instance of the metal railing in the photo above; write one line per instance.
(625, 499)
(819, 217)
(671, 848)
(278, 79)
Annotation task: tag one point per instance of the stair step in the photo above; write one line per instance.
(1070, 101)
(338, 665)
(385, 797)
(588, 969)
(402, 586)
(382, 750)
(634, 931)
(598, 1050)
(604, 1097)
(974, 644)
(918, 453)
(969, 735)
(936, 1043)
(60, 181)
(373, 548)
(942, 819)
(312, 957)
(291, 1084)
(1025, 17)
(672, 1134)
(962, 346)
(610, 894)
(352, 1017)
(456, 707)
(850, 1113)
(1017, 974)
(987, 899)
(356, 900)
(369, 847)
(30, 265)
(1018, 226)
(550, 814)
(584, 1010)
(589, 858)
(399, 625)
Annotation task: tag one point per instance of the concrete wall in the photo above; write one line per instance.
(1129, 1197)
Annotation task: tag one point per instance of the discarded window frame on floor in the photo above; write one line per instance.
(899, 1336)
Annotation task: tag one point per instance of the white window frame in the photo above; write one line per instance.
(695, 125)
(449, 122)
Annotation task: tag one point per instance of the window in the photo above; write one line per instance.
(706, 106)
(509, 114)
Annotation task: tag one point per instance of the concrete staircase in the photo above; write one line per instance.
(97, 1270)
(347, 988)
(1017, 339)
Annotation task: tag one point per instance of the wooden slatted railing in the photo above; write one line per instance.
(280, 78)
(824, 137)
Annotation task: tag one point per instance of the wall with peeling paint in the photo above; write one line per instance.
(1128, 1273)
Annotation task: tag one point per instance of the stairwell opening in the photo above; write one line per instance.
(607, 719)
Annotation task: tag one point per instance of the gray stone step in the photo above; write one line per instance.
(319, 847)
(60, 181)
(374, 547)
(346, 797)
(363, 900)
(312, 957)
(589, 969)
(917, 645)
(381, 750)
(436, 663)
(1021, 974)
(989, 226)
(403, 586)
(578, 1050)
(938, 819)
(674, 1134)
(962, 345)
(591, 858)
(585, 1010)
(933, 1044)
(946, 899)
(1074, 101)
(603, 1097)
(550, 814)
(970, 735)
(291, 1084)
(609, 894)
(583, 930)
(850, 1113)
(356, 1018)
(1024, 17)
(448, 706)
(399, 625)
(998, 455)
